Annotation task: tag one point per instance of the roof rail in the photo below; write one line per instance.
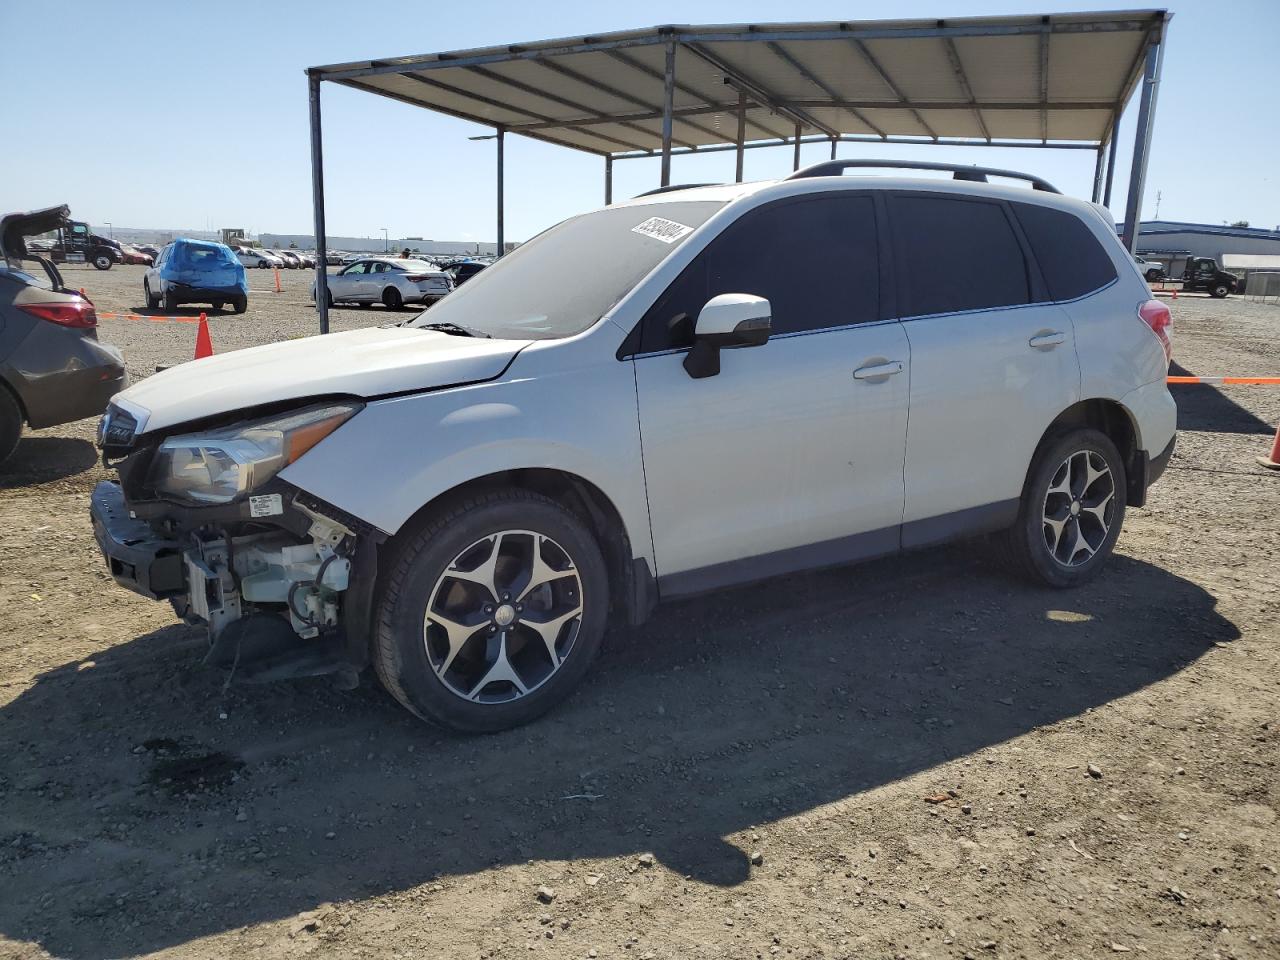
(833, 168)
(672, 189)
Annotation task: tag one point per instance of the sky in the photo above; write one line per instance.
(193, 115)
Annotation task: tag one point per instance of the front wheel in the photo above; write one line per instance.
(1219, 291)
(1071, 511)
(492, 611)
(152, 300)
(102, 262)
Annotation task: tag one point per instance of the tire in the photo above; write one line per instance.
(170, 302)
(10, 424)
(1219, 291)
(102, 261)
(217, 304)
(469, 690)
(1153, 276)
(152, 301)
(240, 304)
(392, 299)
(1026, 545)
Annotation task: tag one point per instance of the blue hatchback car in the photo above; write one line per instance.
(196, 271)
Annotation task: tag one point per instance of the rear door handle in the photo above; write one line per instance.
(878, 371)
(1052, 339)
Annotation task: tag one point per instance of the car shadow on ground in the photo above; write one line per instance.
(134, 819)
(1206, 407)
(44, 459)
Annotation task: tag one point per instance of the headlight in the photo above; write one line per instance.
(222, 466)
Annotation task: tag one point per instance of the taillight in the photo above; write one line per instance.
(1155, 314)
(416, 277)
(70, 313)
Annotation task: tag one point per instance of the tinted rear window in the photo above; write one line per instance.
(202, 256)
(1071, 259)
(959, 254)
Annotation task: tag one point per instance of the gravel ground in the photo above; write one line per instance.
(918, 757)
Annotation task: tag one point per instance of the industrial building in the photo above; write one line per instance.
(454, 248)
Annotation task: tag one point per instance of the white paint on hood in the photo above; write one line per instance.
(362, 363)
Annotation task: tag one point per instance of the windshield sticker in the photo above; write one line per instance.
(668, 231)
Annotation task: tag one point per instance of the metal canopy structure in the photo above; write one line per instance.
(1054, 81)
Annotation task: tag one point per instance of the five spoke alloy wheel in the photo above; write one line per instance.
(503, 616)
(1079, 508)
(493, 609)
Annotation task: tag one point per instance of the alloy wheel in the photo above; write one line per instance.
(503, 617)
(1079, 507)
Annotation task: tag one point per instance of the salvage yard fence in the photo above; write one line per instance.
(1263, 287)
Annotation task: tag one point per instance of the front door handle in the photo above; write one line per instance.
(1045, 340)
(878, 371)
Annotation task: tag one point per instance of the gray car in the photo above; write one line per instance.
(53, 368)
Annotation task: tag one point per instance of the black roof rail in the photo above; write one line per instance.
(675, 187)
(833, 168)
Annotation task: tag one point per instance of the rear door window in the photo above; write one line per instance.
(957, 254)
(815, 259)
(1072, 261)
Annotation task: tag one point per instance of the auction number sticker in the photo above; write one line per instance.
(268, 505)
(668, 231)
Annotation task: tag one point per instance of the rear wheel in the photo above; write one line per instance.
(10, 424)
(1153, 275)
(217, 304)
(391, 299)
(1071, 511)
(170, 302)
(239, 304)
(492, 612)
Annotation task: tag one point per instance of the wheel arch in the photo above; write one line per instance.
(632, 588)
(1112, 418)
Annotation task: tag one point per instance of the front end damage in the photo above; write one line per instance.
(282, 581)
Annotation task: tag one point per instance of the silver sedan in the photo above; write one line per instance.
(387, 280)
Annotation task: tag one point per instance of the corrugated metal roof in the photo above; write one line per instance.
(1057, 77)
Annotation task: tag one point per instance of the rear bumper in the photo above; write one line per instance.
(61, 376)
(183, 293)
(136, 557)
(1156, 465)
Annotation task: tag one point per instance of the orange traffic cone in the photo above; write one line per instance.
(1273, 462)
(277, 279)
(204, 343)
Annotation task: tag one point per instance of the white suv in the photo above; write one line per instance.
(670, 395)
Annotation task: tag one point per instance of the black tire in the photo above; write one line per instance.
(102, 261)
(1219, 291)
(152, 300)
(10, 423)
(391, 299)
(418, 560)
(240, 304)
(170, 302)
(217, 304)
(1024, 546)
(1153, 276)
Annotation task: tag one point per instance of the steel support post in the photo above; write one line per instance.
(608, 179)
(501, 139)
(317, 203)
(1142, 146)
(668, 99)
(742, 135)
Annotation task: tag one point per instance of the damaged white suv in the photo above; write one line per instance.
(670, 395)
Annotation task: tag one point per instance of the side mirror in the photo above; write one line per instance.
(728, 321)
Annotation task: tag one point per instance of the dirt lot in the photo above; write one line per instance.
(747, 776)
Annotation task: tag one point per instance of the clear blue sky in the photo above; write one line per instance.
(187, 114)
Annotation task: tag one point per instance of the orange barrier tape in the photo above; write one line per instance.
(141, 316)
(1271, 381)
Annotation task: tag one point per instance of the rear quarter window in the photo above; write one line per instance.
(1072, 261)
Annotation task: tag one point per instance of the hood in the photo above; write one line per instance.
(360, 363)
(16, 227)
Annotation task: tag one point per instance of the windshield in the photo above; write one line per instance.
(566, 278)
